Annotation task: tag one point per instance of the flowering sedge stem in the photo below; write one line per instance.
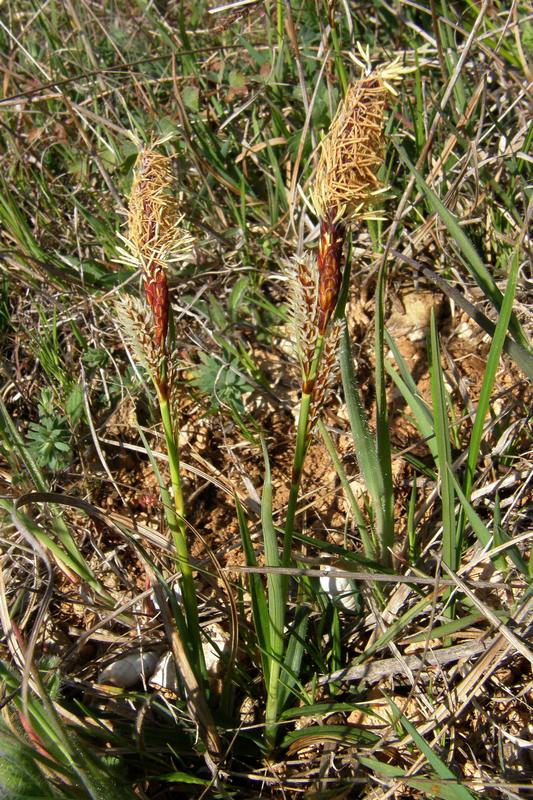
(278, 584)
(300, 450)
(155, 238)
(176, 521)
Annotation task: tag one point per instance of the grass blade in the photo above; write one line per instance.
(489, 377)
(473, 262)
(294, 653)
(406, 385)
(481, 531)
(383, 443)
(356, 511)
(364, 445)
(318, 734)
(451, 791)
(257, 593)
(276, 604)
(450, 545)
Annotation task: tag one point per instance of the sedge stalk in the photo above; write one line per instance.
(178, 530)
(300, 451)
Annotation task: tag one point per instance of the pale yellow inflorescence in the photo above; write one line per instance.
(154, 230)
(352, 152)
(132, 316)
(302, 277)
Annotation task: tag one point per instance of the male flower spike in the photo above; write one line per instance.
(346, 178)
(155, 236)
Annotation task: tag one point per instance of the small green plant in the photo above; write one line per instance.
(222, 382)
(383, 508)
(346, 186)
(50, 437)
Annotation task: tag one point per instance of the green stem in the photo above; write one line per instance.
(278, 585)
(386, 533)
(276, 608)
(339, 65)
(279, 23)
(176, 521)
(302, 443)
(300, 450)
(173, 460)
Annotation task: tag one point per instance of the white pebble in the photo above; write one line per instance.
(129, 671)
(341, 591)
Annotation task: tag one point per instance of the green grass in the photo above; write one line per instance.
(418, 465)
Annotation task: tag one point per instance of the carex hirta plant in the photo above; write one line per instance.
(345, 191)
(156, 239)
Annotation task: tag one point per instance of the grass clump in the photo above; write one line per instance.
(263, 429)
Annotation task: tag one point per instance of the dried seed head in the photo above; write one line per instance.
(352, 152)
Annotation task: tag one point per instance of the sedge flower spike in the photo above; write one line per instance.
(352, 152)
(303, 310)
(346, 181)
(155, 237)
